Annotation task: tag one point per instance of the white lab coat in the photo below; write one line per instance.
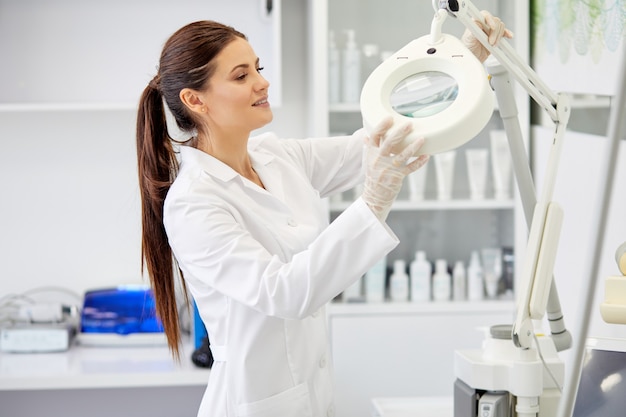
(262, 263)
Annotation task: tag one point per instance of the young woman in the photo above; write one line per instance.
(243, 220)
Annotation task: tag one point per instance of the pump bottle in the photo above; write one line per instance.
(399, 282)
(421, 273)
(475, 280)
(458, 282)
(441, 281)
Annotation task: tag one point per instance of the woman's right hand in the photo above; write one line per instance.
(495, 30)
(385, 171)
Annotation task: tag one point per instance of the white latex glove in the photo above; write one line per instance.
(385, 171)
(495, 30)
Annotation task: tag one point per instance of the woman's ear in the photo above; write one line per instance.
(192, 100)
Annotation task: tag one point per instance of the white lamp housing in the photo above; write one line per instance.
(440, 87)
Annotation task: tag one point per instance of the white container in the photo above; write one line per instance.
(417, 184)
(334, 70)
(492, 269)
(444, 166)
(371, 59)
(501, 165)
(477, 166)
(442, 285)
(459, 283)
(375, 282)
(351, 70)
(475, 278)
(420, 272)
(399, 282)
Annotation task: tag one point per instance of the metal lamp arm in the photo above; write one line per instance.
(544, 228)
(468, 14)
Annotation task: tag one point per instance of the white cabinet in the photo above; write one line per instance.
(403, 349)
(72, 54)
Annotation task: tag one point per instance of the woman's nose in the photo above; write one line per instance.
(262, 83)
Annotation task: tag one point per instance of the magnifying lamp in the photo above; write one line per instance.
(443, 90)
(437, 84)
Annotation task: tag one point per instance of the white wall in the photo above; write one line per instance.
(69, 199)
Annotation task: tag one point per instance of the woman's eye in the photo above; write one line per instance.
(245, 74)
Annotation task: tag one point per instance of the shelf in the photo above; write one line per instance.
(59, 106)
(427, 307)
(403, 205)
(84, 367)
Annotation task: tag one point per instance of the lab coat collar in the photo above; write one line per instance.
(260, 159)
(218, 169)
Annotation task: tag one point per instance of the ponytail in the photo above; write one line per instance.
(187, 61)
(157, 167)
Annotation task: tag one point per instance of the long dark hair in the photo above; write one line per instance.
(187, 61)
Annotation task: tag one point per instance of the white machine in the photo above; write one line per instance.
(516, 373)
(613, 309)
(529, 371)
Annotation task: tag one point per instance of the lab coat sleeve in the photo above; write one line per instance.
(214, 250)
(333, 164)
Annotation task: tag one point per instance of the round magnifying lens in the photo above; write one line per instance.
(424, 94)
(445, 95)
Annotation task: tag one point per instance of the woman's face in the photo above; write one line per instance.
(237, 95)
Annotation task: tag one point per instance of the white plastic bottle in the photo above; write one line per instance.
(420, 272)
(351, 69)
(459, 282)
(370, 60)
(399, 282)
(375, 282)
(442, 285)
(334, 70)
(475, 280)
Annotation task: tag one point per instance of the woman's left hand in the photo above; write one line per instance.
(495, 30)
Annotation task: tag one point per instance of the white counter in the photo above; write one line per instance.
(413, 407)
(99, 367)
(118, 381)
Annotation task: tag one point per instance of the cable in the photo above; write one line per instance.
(53, 288)
(24, 307)
(545, 365)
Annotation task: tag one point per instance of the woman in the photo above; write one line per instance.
(243, 220)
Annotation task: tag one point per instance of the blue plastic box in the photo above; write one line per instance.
(122, 310)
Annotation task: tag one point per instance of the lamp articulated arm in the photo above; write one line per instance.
(543, 216)
(467, 14)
